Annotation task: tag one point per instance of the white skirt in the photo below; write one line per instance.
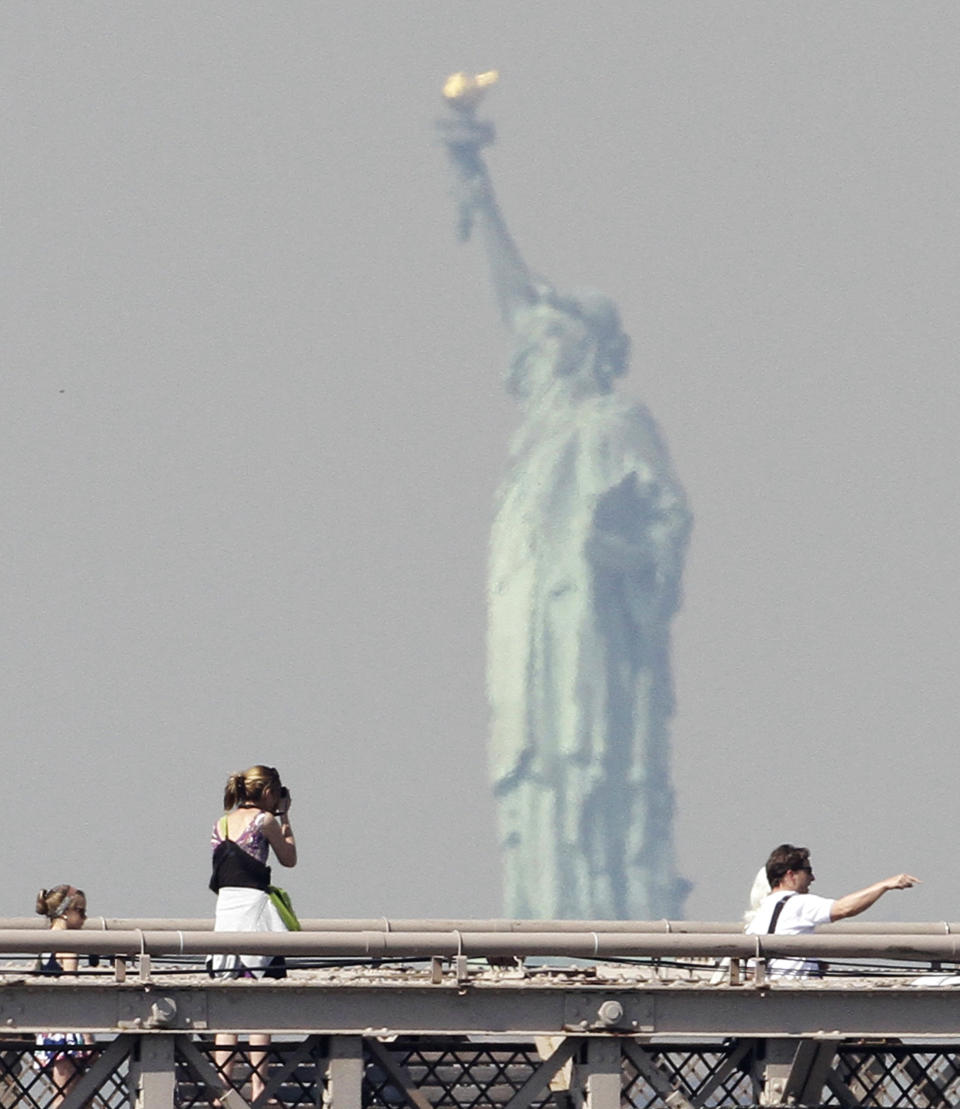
(243, 910)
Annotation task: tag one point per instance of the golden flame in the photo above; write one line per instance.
(462, 90)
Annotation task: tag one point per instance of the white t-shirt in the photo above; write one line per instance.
(801, 913)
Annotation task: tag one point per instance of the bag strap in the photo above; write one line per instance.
(777, 910)
(223, 826)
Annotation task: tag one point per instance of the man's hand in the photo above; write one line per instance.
(901, 882)
(852, 904)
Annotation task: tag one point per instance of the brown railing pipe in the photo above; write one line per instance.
(389, 925)
(590, 945)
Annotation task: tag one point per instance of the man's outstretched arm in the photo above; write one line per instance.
(852, 904)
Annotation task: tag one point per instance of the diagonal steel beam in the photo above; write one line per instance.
(304, 1053)
(722, 1073)
(540, 1079)
(399, 1074)
(91, 1081)
(808, 1074)
(842, 1092)
(658, 1079)
(925, 1082)
(209, 1075)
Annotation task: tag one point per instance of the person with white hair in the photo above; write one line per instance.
(758, 891)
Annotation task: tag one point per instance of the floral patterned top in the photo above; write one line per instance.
(251, 839)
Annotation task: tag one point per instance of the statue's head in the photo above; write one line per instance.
(603, 319)
(576, 337)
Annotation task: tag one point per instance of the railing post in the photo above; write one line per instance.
(345, 1073)
(152, 1072)
(777, 1065)
(603, 1073)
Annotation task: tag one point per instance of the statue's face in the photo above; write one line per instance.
(550, 344)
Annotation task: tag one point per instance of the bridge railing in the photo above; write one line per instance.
(402, 924)
(442, 1012)
(595, 944)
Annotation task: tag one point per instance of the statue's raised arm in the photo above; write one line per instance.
(464, 136)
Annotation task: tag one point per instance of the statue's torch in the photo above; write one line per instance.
(464, 136)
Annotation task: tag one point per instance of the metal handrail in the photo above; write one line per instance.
(506, 926)
(450, 944)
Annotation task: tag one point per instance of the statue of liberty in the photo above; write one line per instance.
(585, 561)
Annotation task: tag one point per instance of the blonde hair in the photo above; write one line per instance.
(54, 903)
(249, 785)
(758, 891)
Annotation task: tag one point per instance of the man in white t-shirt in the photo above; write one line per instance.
(789, 909)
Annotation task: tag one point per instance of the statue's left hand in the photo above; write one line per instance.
(472, 194)
(464, 132)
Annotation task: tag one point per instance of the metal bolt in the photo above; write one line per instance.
(610, 1013)
(163, 1012)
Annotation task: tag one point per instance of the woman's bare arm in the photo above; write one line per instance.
(280, 837)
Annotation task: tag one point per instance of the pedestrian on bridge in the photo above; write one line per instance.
(61, 1054)
(789, 909)
(256, 819)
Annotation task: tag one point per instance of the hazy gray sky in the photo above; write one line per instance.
(254, 423)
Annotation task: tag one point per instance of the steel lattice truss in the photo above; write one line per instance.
(490, 1033)
(455, 1072)
(27, 1082)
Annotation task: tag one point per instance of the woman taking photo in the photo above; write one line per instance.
(61, 1053)
(256, 819)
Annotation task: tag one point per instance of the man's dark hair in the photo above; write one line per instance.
(786, 857)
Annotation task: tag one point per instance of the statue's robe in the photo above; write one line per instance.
(585, 561)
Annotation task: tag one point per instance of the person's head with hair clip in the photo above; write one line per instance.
(64, 906)
(250, 788)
